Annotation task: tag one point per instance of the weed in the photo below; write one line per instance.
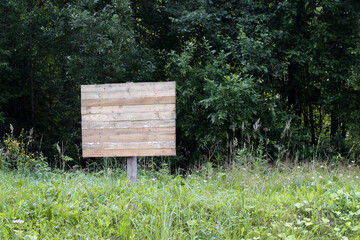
(15, 153)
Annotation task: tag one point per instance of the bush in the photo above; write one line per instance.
(221, 109)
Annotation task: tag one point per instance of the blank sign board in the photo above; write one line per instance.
(128, 119)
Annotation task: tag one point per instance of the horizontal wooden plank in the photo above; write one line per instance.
(136, 137)
(111, 117)
(129, 124)
(126, 131)
(129, 145)
(128, 109)
(127, 101)
(128, 94)
(129, 153)
(141, 86)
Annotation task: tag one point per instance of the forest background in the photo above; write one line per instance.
(274, 80)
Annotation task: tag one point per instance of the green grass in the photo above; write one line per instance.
(298, 202)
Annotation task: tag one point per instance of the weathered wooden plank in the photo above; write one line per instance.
(121, 131)
(129, 153)
(127, 101)
(137, 137)
(142, 86)
(128, 94)
(114, 117)
(129, 124)
(129, 145)
(128, 109)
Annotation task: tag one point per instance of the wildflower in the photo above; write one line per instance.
(18, 221)
(356, 177)
(205, 181)
(321, 166)
(312, 177)
(330, 182)
(320, 177)
(153, 179)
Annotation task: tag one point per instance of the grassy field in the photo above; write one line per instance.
(297, 202)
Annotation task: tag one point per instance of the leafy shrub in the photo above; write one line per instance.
(221, 109)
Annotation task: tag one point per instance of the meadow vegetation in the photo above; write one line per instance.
(246, 198)
(251, 201)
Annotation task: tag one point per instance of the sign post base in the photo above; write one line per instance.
(132, 169)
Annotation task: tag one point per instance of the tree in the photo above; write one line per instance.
(234, 61)
(63, 45)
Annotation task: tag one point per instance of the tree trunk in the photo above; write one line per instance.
(31, 74)
(334, 127)
(293, 95)
(312, 124)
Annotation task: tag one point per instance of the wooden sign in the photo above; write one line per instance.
(128, 119)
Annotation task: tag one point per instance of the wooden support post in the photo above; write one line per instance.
(132, 169)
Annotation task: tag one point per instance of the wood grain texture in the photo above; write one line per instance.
(128, 145)
(128, 135)
(129, 124)
(130, 138)
(136, 116)
(124, 131)
(129, 119)
(128, 109)
(127, 101)
(116, 87)
(129, 153)
(127, 94)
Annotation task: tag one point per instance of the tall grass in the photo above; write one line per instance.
(310, 201)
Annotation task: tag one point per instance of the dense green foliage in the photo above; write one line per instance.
(244, 70)
(304, 202)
